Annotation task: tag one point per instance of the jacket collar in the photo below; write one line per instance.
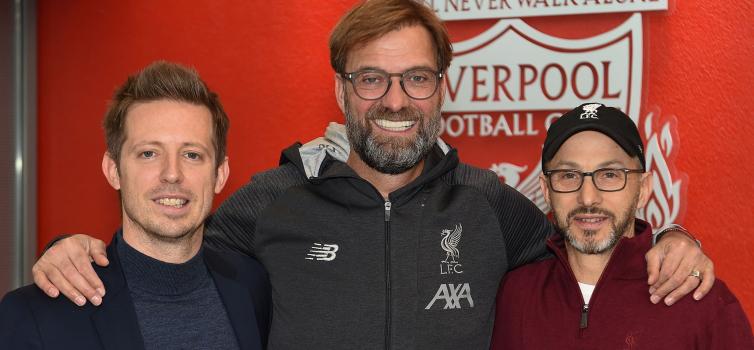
(324, 158)
(237, 300)
(115, 320)
(116, 323)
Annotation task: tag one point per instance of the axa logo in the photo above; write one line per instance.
(322, 252)
(590, 111)
(449, 243)
(452, 295)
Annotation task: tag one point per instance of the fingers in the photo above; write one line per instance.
(681, 256)
(65, 268)
(61, 282)
(86, 280)
(97, 250)
(685, 288)
(40, 279)
(654, 260)
(708, 279)
(668, 277)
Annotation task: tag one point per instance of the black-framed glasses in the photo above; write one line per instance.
(373, 84)
(606, 179)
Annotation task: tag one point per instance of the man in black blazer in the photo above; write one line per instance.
(166, 134)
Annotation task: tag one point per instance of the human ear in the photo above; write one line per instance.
(110, 170)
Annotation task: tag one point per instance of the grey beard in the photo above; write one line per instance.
(617, 230)
(389, 156)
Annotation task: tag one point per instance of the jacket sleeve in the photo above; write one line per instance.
(524, 227)
(18, 328)
(729, 329)
(233, 225)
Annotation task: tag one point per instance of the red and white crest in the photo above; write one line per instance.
(509, 83)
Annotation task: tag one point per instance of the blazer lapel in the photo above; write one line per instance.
(115, 320)
(237, 300)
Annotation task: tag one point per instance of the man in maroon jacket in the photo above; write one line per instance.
(591, 295)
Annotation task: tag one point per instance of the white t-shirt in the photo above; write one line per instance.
(586, 291)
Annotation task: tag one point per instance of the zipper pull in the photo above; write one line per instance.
(388, 205)
(584, 315)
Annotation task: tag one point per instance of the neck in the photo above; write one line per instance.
(384, 183)
(588, 267)
(169, 250)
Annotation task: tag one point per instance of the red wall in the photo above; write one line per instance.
(269, 62)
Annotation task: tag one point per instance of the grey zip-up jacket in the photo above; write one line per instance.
(351, 270)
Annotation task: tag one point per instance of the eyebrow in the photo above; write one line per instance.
(363, 68)
(160, 144)
(573, 165)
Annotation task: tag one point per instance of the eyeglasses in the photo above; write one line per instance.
(606, 179)
(371, 84)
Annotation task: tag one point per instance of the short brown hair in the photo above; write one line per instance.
(163, 80)
(372, 19)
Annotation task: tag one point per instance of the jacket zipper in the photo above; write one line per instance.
(584, 316)
(388, 320)
(584, 323)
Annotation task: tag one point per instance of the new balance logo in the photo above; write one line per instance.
(452, 295)
(322, 252)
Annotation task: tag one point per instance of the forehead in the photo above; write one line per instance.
(590, 150)
(166, 121)
(396, 51)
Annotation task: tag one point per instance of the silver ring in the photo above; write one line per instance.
(696, 273)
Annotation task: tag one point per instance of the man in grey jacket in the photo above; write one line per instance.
(396, 245)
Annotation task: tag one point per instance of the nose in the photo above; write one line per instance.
(589, 194)
(395, 99)
(171, 170)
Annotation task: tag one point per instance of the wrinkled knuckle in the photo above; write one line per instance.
(80, 264)
(62, 243)
(683, 244)
(87, 291)
(50, 253)
(678, 280)
(68, 269)
(664, 275)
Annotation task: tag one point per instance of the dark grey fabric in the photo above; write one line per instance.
(388, 284)
(177, 305)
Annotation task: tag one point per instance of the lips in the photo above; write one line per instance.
(172, 202)
(394, 126)
(171, 197)
(590, 222)
(390, 125)
(394, 121)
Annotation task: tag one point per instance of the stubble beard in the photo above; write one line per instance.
(143, 220)
(392, 155)
(618, 228)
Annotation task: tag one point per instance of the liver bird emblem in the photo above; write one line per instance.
(449, 243)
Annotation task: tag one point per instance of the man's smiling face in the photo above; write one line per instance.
(394, 133)
(166, 176)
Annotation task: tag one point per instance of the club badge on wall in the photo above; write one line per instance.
(507, 85)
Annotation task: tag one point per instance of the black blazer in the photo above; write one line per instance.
(29, 319)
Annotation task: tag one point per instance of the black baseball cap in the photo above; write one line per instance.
(596, 117)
